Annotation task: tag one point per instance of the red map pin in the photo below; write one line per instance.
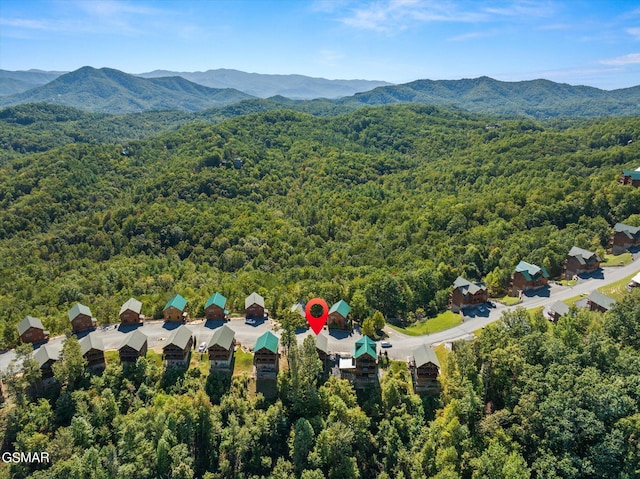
(317, 323)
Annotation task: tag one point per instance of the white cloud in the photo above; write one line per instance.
(474, 35)
(634, 32)
(630, 59)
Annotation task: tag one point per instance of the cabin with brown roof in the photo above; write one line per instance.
(425, 368)
(580, 261)
(266, 359)
(81, 318)
(133, 347)
(175, 310)
(92, 350)
(131, 312)
(220, 348)
(254, 307)
(465, 293)
(624, 237)
(177, 351)
(528, 277)
(630, 177)
(32, 331)
(597, 301)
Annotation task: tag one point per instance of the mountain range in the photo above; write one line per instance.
(112, 91)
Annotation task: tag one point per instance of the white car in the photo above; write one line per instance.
(250, 321)
(385, 344)
(202, 347)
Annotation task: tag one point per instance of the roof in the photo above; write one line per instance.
(46, 352)
(216, 299)
(179, 337)
(346, 363)
(89, 342)
(177, 302)
(423, 354)
(78, 309)
(132, 305)
(601, 300)
(634, 174)
(466, 286)
(253, 298)
(29, 322)
(636, 278)
(365, 345)
(322, 343)
(560, 308)
(299, 308)
(341, 307)
(582, 255)
(269, 341)
(135, 340)
(223, 337)
(631, 231)
(530, 271)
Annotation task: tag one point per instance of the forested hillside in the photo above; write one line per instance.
(382, 207)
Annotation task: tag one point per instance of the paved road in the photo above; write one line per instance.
(339, 341)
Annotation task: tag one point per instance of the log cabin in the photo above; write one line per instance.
(45, 356)
(366, 361)
(131, 312)
(133, 347)
(32, 331)
(630, 177)
(465, 293)
(254, 307)
(338, 315)
(214, 308)
(624, 237)
(221, 349)
(175, 310)
(81, 318)
(177, 351)
(597, 301)
(425, 369)
(92, 350)
(266, 358)
(580, 261)
(528, 277)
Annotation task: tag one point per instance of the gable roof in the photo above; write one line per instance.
(29, 322)
(132, 304)
(341, 307)
(601, 300)
(47, 352)
(177, 302)
(560, 308)
(269, 341)
(216, 299)
(89, 342)
(365, 345)
(179, 337)
(77, 310)
(222, 337)
(253, 298)
(582, 255)
(299, 308)
(423, 354)
(633, 174)
(531, 271)
(466, 286)
(322, 343)
(135, 340)
(631, 232)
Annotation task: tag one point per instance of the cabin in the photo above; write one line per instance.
(299, 308)
(338, 315)
(131, 312)
(133, 347)
(347, 368)
(176, 309)
(266, 357)
(556, 310)
(465, 293)
(366, 361)
(597, 301)
(32, 331)
(630, 177)
(45, 356)
(322, 348)
(624, 237)
(214, 308)
(254, 307)
(81, 318)
(580, 261)
(221, 347)
(424, 367)
(92, 350)
(178, 348)
(528, 277)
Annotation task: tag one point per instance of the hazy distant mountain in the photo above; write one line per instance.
(12, 82)
(536, 98)
(265, 86)
(112, 91)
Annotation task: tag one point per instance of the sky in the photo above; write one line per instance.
(595, 42)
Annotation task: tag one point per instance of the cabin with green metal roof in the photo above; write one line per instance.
(630, 177)
(366, 360)
(214, 308)
(175, 309)
(266, 358)
(338, 315)
(527, 277)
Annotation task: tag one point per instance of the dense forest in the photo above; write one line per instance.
(382, 207)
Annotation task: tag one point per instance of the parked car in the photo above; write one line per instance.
(250, 321)
(385, 344)
(202, 347)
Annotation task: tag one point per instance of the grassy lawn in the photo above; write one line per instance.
(618, 289)
(243, 363)
(200, 361)
(154, 358)
(441, 353)
(112, 357)
(509, 300)
(567, 282)
(619, 260)
(441, 322)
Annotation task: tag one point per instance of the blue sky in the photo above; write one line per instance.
(594, 43)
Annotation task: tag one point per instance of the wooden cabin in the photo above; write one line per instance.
(425, 367)
(220, 348)
(597, 301)
(465, 293)
(322, 348)
(176, 309)
(81, 318)
(32, 331)
(92, 350)
(630, 177)
(131, 312)
(45, 356)
(580, 261)
(528, 277)
(366, 361)
(338, 315)
(299, 308)
(624, 237)
(266, 358)
(214, 308)
(133, 347)
(254, 307)
(557, 310)
(177, 351)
